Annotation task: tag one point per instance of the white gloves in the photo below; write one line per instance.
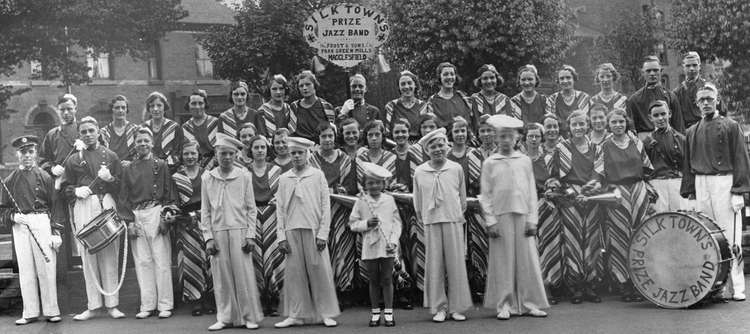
(738, 202)
(347, 107)
(79, 145)
(83, 192)
(57, 170)
(55, 241)
(20, 218)
(104, 174)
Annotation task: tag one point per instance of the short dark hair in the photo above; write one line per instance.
(199, 92)
(119, 98)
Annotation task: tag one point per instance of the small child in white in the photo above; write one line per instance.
(509, 199)
(375, 215)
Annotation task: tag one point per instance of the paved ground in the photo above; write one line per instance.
(611, 316)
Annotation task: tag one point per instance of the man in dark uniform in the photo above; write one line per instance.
(28, 197)
(58, 144)
(717, 174)
(685, 93)
(638, 103)
(665, 148)
(91, 182)
(356, 107)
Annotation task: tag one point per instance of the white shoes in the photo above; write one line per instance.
(54, 319)
(143, 314)
(251, 325)
(24, 321)
(537, 313)
(85, 315)
(217, 326)
(288, 322)
(165, 314)
(439, 316)
(329, 322)
(458, 316)
(114, 313)
(738, 297)
(504, 314)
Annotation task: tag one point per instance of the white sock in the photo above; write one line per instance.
(388, 314)
(375, 314)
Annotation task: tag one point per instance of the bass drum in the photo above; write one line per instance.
(677, 259)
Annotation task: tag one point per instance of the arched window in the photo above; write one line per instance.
(41, 118)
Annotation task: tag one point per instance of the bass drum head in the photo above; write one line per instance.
(675, 260)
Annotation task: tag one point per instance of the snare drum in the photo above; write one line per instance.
(101, 231)
(677, 259)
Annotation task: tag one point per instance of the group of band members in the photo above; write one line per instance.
(246, 196)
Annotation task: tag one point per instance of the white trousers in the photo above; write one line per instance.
(37, 278)
(669, 195)
(152, 255)
(713, 197)
(103, 265)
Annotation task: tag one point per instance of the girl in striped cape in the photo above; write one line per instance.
(413, 232)
(337, 168)
(568, 99)
(549, 228)
(625, 166)
(407, 106)
(489, 101)
(276, 113)
(532, 104)
(119, 135)
(168, 136)
(240, 113)
(476, 238)
(574, 167)
(269, 272)
(193, 271)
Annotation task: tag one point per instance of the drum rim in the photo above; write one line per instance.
(711, 235)
(107, 241)
(86, 229)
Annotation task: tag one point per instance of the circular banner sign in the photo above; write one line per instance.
(346, 34)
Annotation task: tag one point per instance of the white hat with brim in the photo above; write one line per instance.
(223, 140)
(430, 137)
(299, 142)
(504, 121)
(376, 171)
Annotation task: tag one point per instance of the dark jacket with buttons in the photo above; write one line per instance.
(716, 146)
(666, 149)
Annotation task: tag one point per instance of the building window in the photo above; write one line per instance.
(154, 63)
(203, 62)
(99, 65)
(40, 119)
(38, 70)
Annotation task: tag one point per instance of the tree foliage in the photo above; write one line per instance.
(627, 40)
(718, 30)
(58, 33)
(268, 40)
(506, 33)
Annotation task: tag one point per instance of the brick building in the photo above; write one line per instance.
(591, 20)
(179, 66)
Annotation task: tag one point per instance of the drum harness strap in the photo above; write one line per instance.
(124, 257)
